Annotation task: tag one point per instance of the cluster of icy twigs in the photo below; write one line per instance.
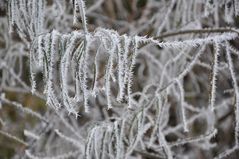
(81, 69)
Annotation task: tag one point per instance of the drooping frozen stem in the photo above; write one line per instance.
(79, 8)
(214, 75)
(234, 81)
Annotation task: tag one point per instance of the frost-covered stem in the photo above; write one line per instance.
(97, 144)
(50, 81)
(109, 71)
(41, 15)
(165, 145)
(130, 76)
(14, 138)
(234, 81)
(203, 113)
(117, 138)
(124, 71)
(23, 109)
(234, 50)
(71, 128)
(120, 72)
(169, 62)
(214, 75)
(207, 136)
(65, 67)
(185, 71)
(89, 143)
(40, 51)
(198, 31)
(25, 88)
(103, 151)
(2, 123)
(182, 108)
(147, 154)
(70, 140)
(96, 75)
(157, 122)
(78, 55)
(85, 69)
(81, 5)
(121, 138)
(32, 62)
(108, 82)
(12, 17)
(34, 13)
(62, 156)
(140, 131)
(31, 135)
(32, 73)
(166, 17)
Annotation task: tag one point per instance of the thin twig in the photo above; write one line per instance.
(197, 31)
